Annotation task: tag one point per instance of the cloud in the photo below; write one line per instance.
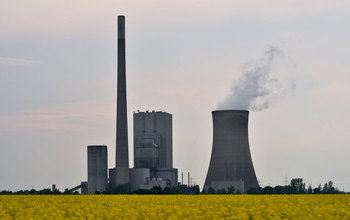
(16, 61)
(22, 17)
(255, 89)
(333, 94)
(69, 117)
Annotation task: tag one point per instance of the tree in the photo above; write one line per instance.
(318, 190)
(211, 190)
(268, 190)
(231, 190)
(297, 185)
(309, 189)
(325, 188)
(195, 189)
(330, 187)
(280, 189)
(167, 190)
(221, 191)
(157, 190)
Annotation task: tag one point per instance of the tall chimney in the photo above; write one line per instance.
(188, 179)
(122, 153)
(182, 178)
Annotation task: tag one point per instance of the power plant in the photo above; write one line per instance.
(153, 145)
(230, 163)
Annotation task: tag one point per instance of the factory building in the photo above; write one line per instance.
(153, 151)
(230, 163)
(97, 168)
(153, 147)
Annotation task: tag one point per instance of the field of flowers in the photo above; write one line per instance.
(175, 206)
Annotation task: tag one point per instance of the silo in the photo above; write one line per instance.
(231, 163)
(97, 168)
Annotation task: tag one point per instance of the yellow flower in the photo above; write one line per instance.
(175, 207)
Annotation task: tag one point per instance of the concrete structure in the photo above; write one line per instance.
(169, 175)
(122, 153)
(153, 145)
(97, 168)
(230, 158)
(153, 139)
(138, 178)
(153, 182)
(238, 185)
(112, 176)
(84, 188)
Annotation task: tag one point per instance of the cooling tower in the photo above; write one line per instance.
(230, 163)
(122, 152)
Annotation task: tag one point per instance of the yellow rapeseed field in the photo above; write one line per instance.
(175, 207)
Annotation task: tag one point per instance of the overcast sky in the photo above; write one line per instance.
(58, 84)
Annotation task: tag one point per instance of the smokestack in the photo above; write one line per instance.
(188, 179)
(231, 163)
(182, 178)
(122, 152)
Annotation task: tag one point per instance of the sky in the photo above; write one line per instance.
(185, 57)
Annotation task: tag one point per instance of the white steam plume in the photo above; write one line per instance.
(255, 89)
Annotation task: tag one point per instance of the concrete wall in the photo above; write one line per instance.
(153, 182)
(147, 153)
(230, 157)
(97, 168)
(218, 185)
(141, 178)
(138, 177)
(169, 175)
(153, 140)
(84, 188)
(112, 172)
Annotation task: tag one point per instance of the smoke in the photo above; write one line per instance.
(255, 89)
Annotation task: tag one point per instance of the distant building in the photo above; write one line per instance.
(153, 149)
(97, 168)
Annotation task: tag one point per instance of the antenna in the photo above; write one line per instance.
(286, 180)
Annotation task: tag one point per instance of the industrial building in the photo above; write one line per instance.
(230, 163)
(153, 148)
(153, 151)
(97, 168)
